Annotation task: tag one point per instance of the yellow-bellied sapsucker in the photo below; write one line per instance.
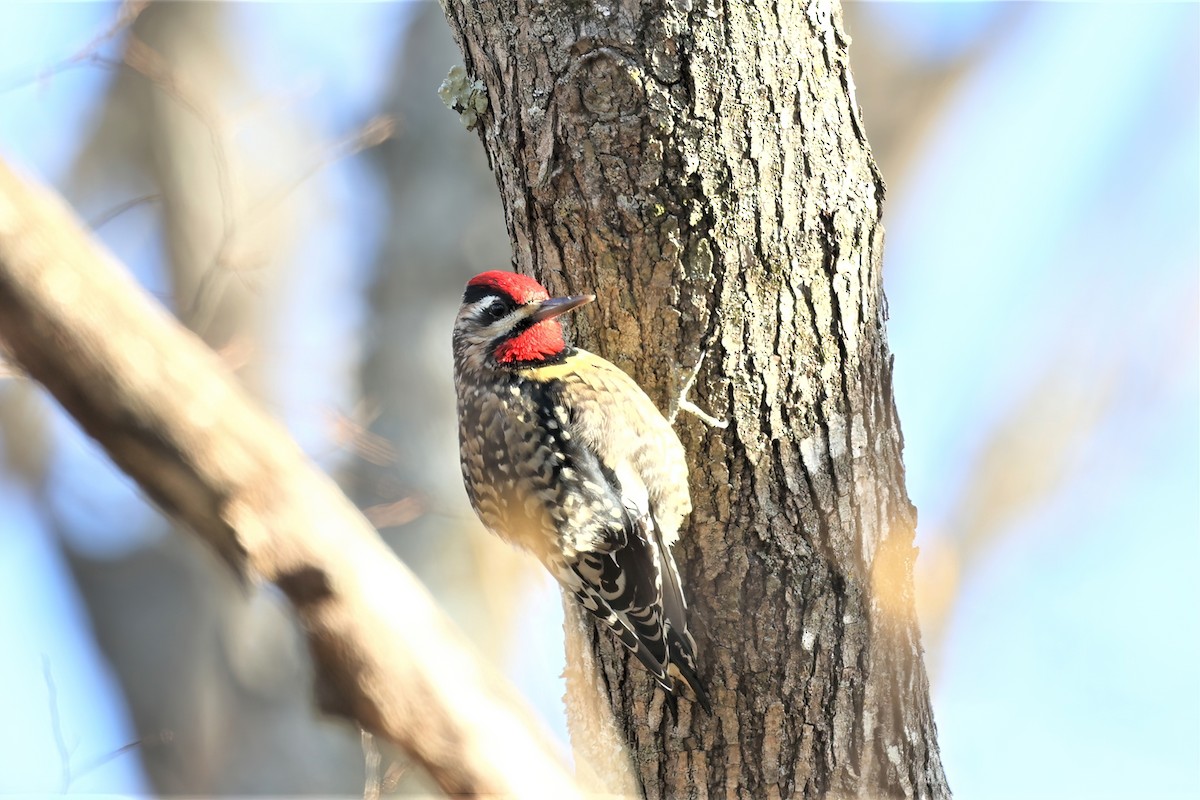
(565, 456)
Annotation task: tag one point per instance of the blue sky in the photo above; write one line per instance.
(1050, 228)
(1047, 232)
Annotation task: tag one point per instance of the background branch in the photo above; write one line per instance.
(165, 409)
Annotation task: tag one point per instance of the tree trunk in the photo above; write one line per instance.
(702, 168)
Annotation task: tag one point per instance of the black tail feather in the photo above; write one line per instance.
(684, 662)
(681, 648)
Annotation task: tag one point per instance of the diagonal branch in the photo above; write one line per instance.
(170, 415)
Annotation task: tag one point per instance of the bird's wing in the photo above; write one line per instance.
(629, 578)
(635, 591)
(623, 589)
(621, 424)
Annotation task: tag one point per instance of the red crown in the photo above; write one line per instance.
(521, 288)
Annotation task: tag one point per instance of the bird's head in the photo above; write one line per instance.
(509, 321)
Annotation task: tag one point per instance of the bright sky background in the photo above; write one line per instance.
(1049, 227)
(1052, 226)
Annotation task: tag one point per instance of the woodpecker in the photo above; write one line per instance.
(565, 456)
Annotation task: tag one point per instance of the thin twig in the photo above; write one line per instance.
(162, 737)
(86, 55)
(371, 760)
(60, 741)
(121, 208)
(684, 404)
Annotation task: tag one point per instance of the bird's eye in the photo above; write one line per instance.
(494, 311)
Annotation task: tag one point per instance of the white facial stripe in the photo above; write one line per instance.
(477, 309)
(473, 311)
(470, 328)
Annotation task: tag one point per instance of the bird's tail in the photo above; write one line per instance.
(683, 661)
(681, 647)
(667, 653)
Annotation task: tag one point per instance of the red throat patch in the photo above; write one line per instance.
(544, 340)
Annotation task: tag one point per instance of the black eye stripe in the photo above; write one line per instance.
(495, 311)
(501, 306)
(474, 294)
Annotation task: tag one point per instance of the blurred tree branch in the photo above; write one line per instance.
(444, 224)
(167, 412)
(223, 670)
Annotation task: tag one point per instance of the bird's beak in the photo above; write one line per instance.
(559, 305)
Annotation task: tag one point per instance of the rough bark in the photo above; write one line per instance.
(702, 167)
(163, 406)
